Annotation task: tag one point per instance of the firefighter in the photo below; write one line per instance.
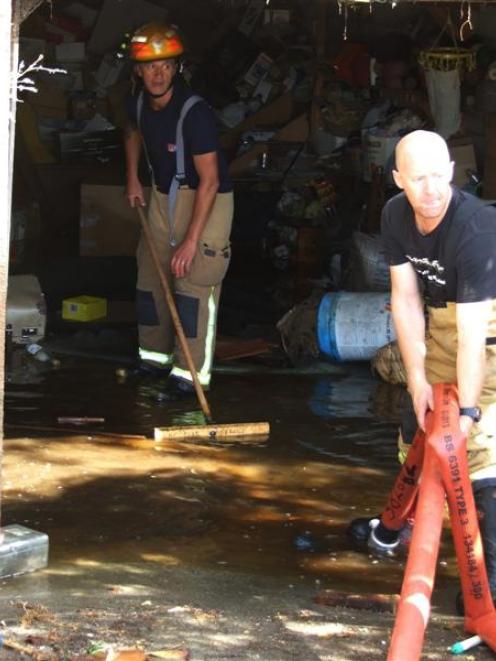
(190, 211)
(441, 244)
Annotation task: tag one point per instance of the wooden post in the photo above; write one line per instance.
(489, 182)
(321, 28)
(8, 69)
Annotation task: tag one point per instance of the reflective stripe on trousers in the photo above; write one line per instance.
(205, 372)
(156, 357)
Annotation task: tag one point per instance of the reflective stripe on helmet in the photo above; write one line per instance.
(155, 41)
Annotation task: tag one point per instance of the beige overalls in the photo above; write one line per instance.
(196, 295)
(442, 345)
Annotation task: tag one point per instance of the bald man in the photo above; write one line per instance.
(441, 245)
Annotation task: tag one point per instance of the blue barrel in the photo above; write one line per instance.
(354, 326)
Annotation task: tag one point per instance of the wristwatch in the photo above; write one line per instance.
(473, 412)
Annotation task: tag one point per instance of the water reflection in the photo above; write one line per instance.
(358, 396)
(330, 456)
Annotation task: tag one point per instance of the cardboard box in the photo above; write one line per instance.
(463, 154)
(108, 226)
(84, 308)
(71, 51)
(49, 101)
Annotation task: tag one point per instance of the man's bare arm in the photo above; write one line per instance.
(409, 321)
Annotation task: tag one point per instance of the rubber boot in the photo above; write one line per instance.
(485, 502)
(374, 535)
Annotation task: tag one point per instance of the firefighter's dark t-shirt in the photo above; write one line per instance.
(158, 128)
(456, 262)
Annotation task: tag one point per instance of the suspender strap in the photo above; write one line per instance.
(180, 175)
(139, 112)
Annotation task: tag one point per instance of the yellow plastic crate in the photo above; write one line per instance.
(84, 308)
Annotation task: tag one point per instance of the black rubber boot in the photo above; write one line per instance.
(147, 370)
(176, 389)
(359, 530)
(373, 535)
(485, 504)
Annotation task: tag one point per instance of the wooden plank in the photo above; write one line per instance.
(243, 430)
(71, 431)
(232, 348)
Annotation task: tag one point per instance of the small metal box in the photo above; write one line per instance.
(22, 550)
(26, 309)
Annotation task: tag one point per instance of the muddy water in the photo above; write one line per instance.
(276, 507)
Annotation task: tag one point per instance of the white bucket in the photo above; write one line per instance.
(354, 326)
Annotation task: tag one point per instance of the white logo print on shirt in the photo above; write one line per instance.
(430, 271)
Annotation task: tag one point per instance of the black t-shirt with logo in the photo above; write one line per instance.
(456, 262)
(158, 128)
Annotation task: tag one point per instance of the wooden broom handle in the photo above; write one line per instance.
(175, 316)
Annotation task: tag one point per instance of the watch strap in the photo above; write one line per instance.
(473, 412)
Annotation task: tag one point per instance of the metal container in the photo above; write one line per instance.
(26, 309)
(22, 550)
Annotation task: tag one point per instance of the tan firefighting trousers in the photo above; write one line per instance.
(196, 295)
(442, 345)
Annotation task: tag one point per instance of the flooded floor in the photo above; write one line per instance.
(276, 506)
(108, 496)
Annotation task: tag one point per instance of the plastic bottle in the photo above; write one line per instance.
(38, 353)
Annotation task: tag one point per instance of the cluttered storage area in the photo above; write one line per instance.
(309, 98)
(223, 532)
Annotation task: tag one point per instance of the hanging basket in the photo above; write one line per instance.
(447, 59)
